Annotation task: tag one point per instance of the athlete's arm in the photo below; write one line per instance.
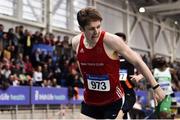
(174, 76)
(75, 42)
(137, 78)
(117, 44)
(173, 71)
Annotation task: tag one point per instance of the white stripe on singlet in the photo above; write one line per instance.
(121, 95)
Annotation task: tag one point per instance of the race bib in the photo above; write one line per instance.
(98, 82)
(122, 74)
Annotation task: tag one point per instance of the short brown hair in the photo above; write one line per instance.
(86, 15)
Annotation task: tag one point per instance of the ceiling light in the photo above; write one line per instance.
(141, 9)
(175, 22)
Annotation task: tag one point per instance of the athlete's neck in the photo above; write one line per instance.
(90, 43)
(162, 69)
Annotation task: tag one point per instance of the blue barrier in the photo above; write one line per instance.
(40, 95)
(26, 95)
(15, 96)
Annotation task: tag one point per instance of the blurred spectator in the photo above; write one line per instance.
(14, 80)
(1, 40)
(67, 49)
(54, 83)
(4, 83)
(28, 43)
(13, 38)
(47, 39)
(4, 76)
(19, 61)
(59, 46)
(72, 80)
(17, 31)
(47, 72)
(15, 68)
(36, 58)
(1, 30)
(7, 53)
(6, 71)
(28, 66)
(21, 36)
(23, 79)
(45, 83)
(37, 37)
(58, 73)
(6, 42)
(38, 76)
(14, 53)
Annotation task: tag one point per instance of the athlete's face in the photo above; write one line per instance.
(92, 30)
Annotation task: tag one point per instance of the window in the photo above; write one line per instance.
(33, 10)
(7, 7)
(59, 13)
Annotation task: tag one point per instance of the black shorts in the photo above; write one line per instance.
(130, 99)
(109, 111)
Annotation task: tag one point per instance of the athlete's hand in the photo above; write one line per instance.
(136, 78)
(159, 94)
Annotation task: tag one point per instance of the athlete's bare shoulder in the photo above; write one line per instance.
(114, 42)
(172, 70)
(75, 41)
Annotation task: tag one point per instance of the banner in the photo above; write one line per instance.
(40, 95)
(43, 47)
(15, 96)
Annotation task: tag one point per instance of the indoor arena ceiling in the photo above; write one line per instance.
(162, 9)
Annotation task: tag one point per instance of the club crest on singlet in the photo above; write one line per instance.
(98, 82)
(122, 74)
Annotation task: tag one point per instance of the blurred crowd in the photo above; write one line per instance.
(20, 64)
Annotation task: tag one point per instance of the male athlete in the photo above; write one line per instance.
(127, 78)
(98, 58)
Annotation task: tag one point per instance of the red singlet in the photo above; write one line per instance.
(100, 74)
